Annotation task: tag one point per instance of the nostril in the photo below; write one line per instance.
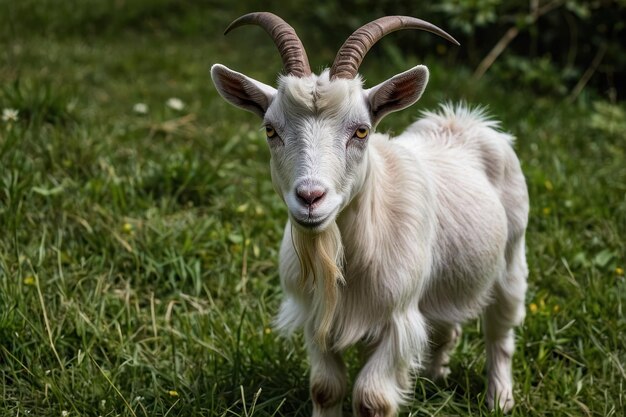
(310, 195)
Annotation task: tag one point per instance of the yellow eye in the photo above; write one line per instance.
(270, 132)
(362, 132)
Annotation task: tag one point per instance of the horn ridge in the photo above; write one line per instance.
(351, 54)
(295, 60)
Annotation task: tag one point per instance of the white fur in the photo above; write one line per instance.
(424, 230)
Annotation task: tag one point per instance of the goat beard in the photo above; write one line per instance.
(321, 269)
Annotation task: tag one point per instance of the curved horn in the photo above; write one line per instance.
(353, 50)
(291, 50)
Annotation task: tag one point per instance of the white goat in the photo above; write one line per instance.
(390, 242)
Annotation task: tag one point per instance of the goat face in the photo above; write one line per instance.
(318, 131)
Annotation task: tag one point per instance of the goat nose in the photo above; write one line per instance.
(310, 195)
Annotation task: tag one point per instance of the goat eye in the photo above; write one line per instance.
(362, 132)
(270, 132)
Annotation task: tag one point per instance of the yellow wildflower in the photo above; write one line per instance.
(268, 330)
(29, 280)
(127, 227)
(548, 185)
(533, 308)
(619, 271)
(556, 308)
(173, 393)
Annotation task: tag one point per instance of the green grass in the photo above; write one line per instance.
(138, 252)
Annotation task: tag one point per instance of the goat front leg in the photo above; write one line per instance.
(385, 379)
(328, 378)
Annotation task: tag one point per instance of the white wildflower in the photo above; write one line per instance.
(9, 115)
(140, 108)
(65, 413)
(175, 104)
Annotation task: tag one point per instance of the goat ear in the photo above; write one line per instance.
(242, 91)
(397, 92)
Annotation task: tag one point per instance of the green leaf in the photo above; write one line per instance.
(603, 258)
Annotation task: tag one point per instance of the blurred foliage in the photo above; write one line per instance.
(557, 43)
(467, 15)
(608, 118)
(541, 73)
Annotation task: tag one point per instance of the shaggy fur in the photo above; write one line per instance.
(413, 236)
(321, 260)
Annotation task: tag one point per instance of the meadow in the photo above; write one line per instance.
(140, 230)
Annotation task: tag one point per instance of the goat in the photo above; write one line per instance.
(391, 243)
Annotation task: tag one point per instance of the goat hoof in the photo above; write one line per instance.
(365, 411)
(374, 408)
(500, 399)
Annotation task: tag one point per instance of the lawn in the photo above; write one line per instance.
(139, 243)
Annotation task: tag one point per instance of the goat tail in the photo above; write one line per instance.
(321, 264)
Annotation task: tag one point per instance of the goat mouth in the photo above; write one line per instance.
(311, 224)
